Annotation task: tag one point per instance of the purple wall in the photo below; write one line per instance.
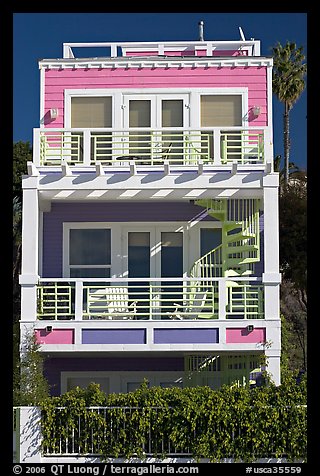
(53, 366)
(103, 212)
(112, 212)
(186, 336)
(114, 336)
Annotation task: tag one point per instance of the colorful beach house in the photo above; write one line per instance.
(150, 216)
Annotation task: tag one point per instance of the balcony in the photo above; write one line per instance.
(137, 299)
(213, 146)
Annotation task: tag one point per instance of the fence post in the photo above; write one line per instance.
(30, 435)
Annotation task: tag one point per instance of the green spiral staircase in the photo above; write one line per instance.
(236, 255)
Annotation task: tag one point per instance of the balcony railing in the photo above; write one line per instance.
(150, 299)
(210, 146)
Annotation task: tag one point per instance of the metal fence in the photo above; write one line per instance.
(155, 431)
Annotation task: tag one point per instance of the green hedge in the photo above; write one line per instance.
(228, 423)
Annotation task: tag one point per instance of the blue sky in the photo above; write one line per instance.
(40, 35)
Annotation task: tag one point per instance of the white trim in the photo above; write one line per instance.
(190, 96)
(156, 62)
(40, 250)
(232, 91)
(119, 242)
(155, 231)
(42, 93)
(269, 111)
(67, 226)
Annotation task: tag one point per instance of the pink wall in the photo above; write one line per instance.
(56, 336)
(242, 336)
(253, 77)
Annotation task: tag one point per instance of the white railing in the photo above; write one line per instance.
(187, 147)
(150, 298)
(195, 48)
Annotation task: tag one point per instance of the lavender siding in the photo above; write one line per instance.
(103, 212)
(114, 336)
(186, 336)
(54, 366)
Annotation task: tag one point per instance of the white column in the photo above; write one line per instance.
(30, 244)
(30, 230)
(222, 290)
(78, 300)
(271, 277)
(30, 435)
(216, 146)
(273, 365)
(271, 225)
(86, 147)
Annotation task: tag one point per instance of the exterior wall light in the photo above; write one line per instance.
(49, 328)
(256, 111)
(54, 113)
(250, 328)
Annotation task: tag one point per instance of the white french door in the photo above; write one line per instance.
(150, 111)
(153, 252)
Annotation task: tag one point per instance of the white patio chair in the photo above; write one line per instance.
(194, 308)
(111, 302)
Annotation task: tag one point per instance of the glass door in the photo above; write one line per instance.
(172, 115)
(139, 258)
(156, 252)
(147, 115)
(171, 267)
(139, 115)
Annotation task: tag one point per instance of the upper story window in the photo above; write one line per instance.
(91, 111)
(221, 110)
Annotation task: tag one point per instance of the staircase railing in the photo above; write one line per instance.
(240, 247)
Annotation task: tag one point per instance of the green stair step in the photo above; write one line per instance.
(241, 249)
(216, 214)
(239, 237)
(232, 225)
(232, 272)
(240, 261)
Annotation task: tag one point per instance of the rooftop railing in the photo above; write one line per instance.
(186, 147)
(164, 48)
(150, 299)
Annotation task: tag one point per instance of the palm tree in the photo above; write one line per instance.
(288, 84)
(295, 173)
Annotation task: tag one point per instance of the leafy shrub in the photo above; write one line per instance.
(230, 422)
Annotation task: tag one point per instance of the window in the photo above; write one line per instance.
(172, 113)
(221, 110)
(91, 111)
(89, 253)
